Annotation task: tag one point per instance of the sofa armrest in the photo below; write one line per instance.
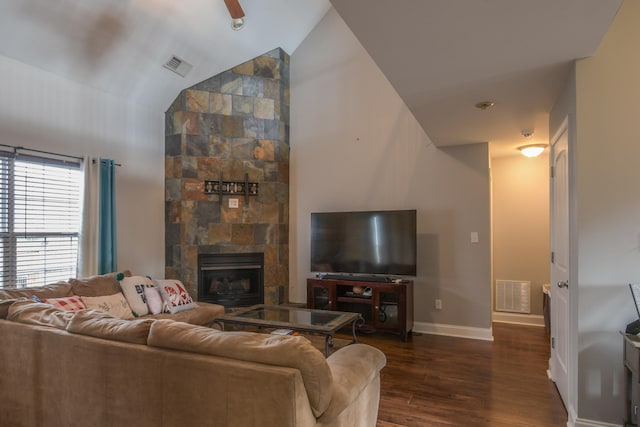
(353, 368)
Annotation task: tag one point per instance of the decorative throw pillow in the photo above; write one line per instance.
(175, 295)
(115, 304)
(154, 301)
(72, 303)
(133, 290)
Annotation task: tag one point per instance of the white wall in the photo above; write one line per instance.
(608, 205)
(356, 146)
(601, 103)
(42, 111)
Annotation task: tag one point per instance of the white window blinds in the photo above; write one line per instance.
(39, 220)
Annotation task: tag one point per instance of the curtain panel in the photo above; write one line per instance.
(89, 229)
(107, 246)
(97, 252)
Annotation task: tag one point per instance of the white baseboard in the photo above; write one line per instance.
(571, 415)
(454, 331)
(590, 423)
(518, 319)
(574, 421)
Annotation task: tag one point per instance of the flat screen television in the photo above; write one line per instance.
(364, 243)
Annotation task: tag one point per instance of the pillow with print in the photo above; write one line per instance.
(175, 295)
(133, 290)
(115, 304)
(72, 303)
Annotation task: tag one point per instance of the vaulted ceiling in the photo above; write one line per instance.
(442, 56)
(120, 46)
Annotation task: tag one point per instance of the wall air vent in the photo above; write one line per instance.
(513, 296)
(178, 66)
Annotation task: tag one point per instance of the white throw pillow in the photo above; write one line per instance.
(154, 301)
(115, 304)
(175, 295)
(133, 290)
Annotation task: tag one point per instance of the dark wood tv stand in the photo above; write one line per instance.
(389, 308)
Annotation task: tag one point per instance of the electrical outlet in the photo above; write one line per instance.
(233, 203)
(438, 304)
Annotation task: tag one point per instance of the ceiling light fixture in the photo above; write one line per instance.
(532, 150)
(237, 14)
(237, 23)
(485, 104)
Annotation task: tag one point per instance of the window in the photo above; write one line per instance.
(40, 204)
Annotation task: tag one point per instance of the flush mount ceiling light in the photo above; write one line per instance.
(532, 150)
(237, 14)
(484, 105)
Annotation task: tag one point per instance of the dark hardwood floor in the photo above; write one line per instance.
(438, 381)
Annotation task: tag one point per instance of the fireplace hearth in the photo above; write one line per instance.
(231, 280)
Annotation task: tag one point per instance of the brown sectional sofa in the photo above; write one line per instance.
(88, 368)
(107, 284)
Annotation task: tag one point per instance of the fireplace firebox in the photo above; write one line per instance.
(231, 280)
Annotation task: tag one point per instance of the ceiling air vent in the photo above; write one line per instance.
(178, 66)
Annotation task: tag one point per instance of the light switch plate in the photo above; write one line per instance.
(474, 237)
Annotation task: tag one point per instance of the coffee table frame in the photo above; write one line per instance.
(343, 319)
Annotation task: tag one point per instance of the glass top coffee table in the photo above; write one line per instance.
(298, 319)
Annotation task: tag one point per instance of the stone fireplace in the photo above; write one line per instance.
(231, 127)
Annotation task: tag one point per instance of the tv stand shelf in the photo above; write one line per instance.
(388, 309)
(355, 300)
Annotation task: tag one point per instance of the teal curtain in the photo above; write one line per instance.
(107, 254)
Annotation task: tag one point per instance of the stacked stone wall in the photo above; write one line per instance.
(231, 125)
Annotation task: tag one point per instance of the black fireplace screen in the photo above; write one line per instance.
(231, 280)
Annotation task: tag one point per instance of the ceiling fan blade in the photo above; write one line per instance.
(234, 8)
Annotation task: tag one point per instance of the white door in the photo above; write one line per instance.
(560, 283)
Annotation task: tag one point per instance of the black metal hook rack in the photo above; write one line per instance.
(231, 188)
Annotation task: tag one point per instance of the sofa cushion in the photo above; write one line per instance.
(96, 323)
(115, 305)
(66, 303)
(203, 314)
(54, 290)
(94, 286)
(133, 290)
(175, 295)
(38, 313)
(288, 351)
